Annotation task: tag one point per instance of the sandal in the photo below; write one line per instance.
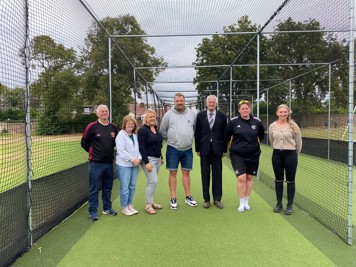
(150, 210)
(156, 206)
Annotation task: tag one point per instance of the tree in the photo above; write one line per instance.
(12, 103)
(310, 87)
(309, 90)
(16, 98)
(225, 50)
(56, 92)
(94, 59)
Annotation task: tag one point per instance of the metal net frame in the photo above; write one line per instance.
(44, 170)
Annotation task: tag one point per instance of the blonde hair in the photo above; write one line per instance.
(291, 122)
(243, 102)
(126, 119)
(144, 119)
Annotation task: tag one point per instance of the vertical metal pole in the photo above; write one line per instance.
(267, 117)
(329, 108)
(252, 106)
(217, 92)
(146, 89)
(110, 84)
(351, 117)
(154, 102)
(290, 95)
(258, 75)
(230, 93)
(28, 126)
(135, 90)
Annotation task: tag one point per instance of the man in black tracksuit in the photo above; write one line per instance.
(246, 132)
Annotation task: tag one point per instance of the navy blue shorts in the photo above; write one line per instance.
(174, 156)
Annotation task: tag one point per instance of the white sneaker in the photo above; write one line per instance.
(190, 201)
(173, 204)
(241, 208)
(247, 206)
(126, 212)
(131, 208)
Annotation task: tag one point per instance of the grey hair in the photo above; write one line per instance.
(214, 96)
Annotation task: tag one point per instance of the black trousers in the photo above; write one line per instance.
(211, 164)
(285, 161)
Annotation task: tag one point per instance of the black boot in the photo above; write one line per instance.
(278, 207)
(289, 209)
(290, 195)
(279, 196)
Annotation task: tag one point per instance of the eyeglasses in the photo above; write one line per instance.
(243, 102)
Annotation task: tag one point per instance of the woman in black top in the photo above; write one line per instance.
(150, 144)
(247, 132)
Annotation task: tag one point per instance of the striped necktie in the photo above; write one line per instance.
(211, 120)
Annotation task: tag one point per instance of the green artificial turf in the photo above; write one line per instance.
(192, 236)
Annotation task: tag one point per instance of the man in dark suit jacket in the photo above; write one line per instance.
(211, 147)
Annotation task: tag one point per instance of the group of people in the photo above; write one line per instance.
(180, 126)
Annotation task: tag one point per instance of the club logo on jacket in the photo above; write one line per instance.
(238, 126)
(112, 134)
(253, 127)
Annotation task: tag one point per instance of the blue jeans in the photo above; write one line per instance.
(128, 179)
(101, 176)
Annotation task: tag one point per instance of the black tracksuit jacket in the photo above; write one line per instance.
(246, 136)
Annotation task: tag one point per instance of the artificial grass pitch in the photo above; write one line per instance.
(191, 236)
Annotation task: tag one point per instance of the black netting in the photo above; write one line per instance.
(54, 70)
(56, 196)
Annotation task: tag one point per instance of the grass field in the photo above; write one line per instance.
(50, 154)
(192, 236)
(325, 133)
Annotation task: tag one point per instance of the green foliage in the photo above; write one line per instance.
(309, 90)
(309, 83)
(49, 124)
(94, 60)
(227, 49)
(56, 92)
(81, 121)
(13, 115)
(12, 98)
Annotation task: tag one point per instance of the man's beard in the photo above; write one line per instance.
(179, 107)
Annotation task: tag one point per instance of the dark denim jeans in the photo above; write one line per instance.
(101, 176)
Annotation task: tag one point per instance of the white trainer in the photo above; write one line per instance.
(131, 208)
(247, 206)
(241, 208)
(126, 212)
